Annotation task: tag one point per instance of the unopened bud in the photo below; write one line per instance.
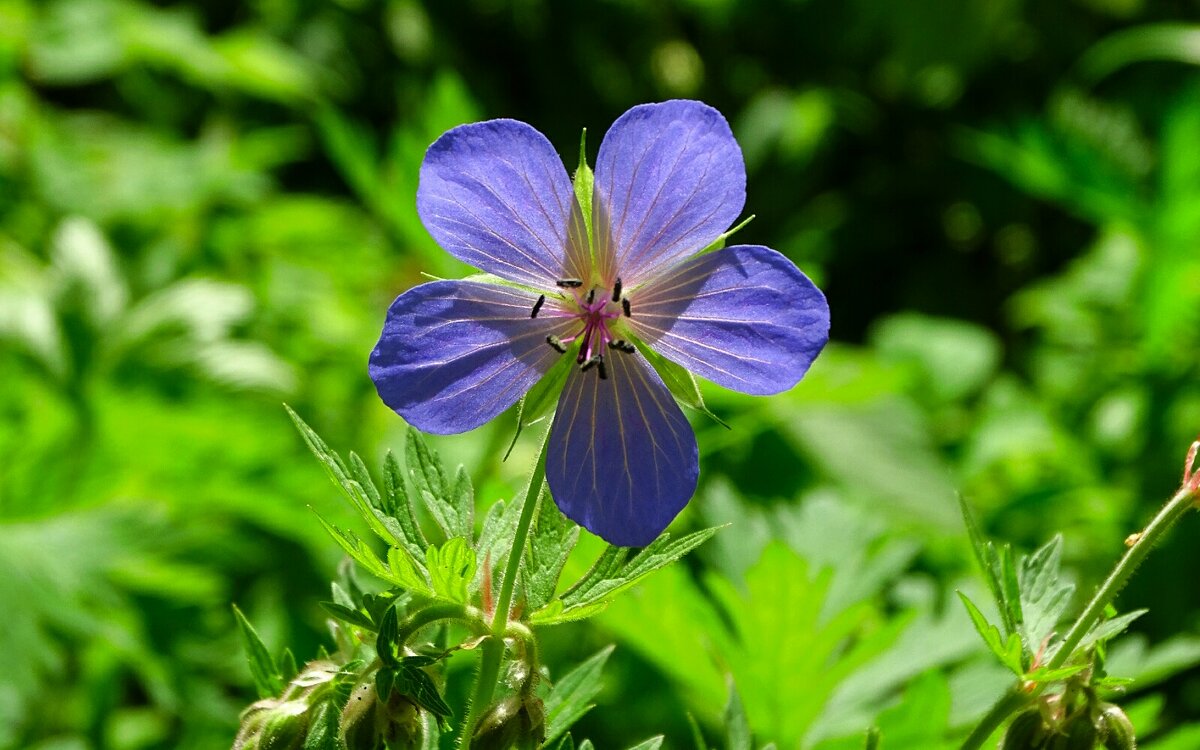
(285, 726)
(1079, 733)
(403, 728)
(515, 722)
(1115, 729)
(1026, 732)
(358, 727)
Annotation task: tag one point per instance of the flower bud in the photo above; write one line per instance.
(402, 728)
(284, 726)
(1115, 729)
(517, 721)
(358, 727)
(1079, 733)
(1026, 732)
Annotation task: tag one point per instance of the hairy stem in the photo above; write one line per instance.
(492, 650)
(1162, 522)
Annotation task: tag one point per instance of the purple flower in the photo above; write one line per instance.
(622, 459)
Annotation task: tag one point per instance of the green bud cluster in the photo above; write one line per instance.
(1046, 727)
(367, 723)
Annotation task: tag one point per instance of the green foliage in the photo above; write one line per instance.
(203, 212)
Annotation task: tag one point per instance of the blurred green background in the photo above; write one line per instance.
(206, 207)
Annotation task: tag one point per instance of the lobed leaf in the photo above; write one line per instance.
(1007, 650)
(451, 569)
(262, 667)
(445, 503)
(398, 505)
(571, 696)
(551, 540)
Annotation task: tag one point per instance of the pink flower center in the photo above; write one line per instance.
(596, 310)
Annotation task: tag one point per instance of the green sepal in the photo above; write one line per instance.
(680, 382)
(719, 242)
(541, 398)
(263, 669)
(584, 190)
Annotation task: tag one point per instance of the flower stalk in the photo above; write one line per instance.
(492, 649)
(1140, 545)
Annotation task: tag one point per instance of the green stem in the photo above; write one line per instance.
(493, 648)
(1162, 522)
(433, 614)
(1179, 504)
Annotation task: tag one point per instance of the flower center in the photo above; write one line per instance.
(596, 310)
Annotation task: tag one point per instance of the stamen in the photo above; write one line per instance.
(600, 368)
(570, 283)
(538, 306)
(622, 345)
(556, 344)
(625, 307)
(591, 298)
(617, 291)
(591, 363)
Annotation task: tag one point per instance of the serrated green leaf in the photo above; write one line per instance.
(984, 555)
(607, 566)
(1108, 629)
(567, 742)
(405, 573)
(267, 679)
(340, 475)
(417, 685)
(362, 475)
(429, 480)
(1044, 675)
(1010, 584)
(659, 553)
(398, 505)
(348, 615)
(386, 646)
(651, 744)
(358, 550)
(553, 613)
(1044, 600)
(451, 569)
(737, 726)
(495, 539)
(996, 643)
(680, 382)
(571, 696)
(551, 540)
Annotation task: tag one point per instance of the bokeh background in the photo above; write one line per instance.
(206, 207)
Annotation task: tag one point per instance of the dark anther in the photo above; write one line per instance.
(570, 283)
(591, 296)
(600, 369)
(594, 361)
(625, 307)
(622, 345)
(538, 306)
(617, 291)
(556, 344)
